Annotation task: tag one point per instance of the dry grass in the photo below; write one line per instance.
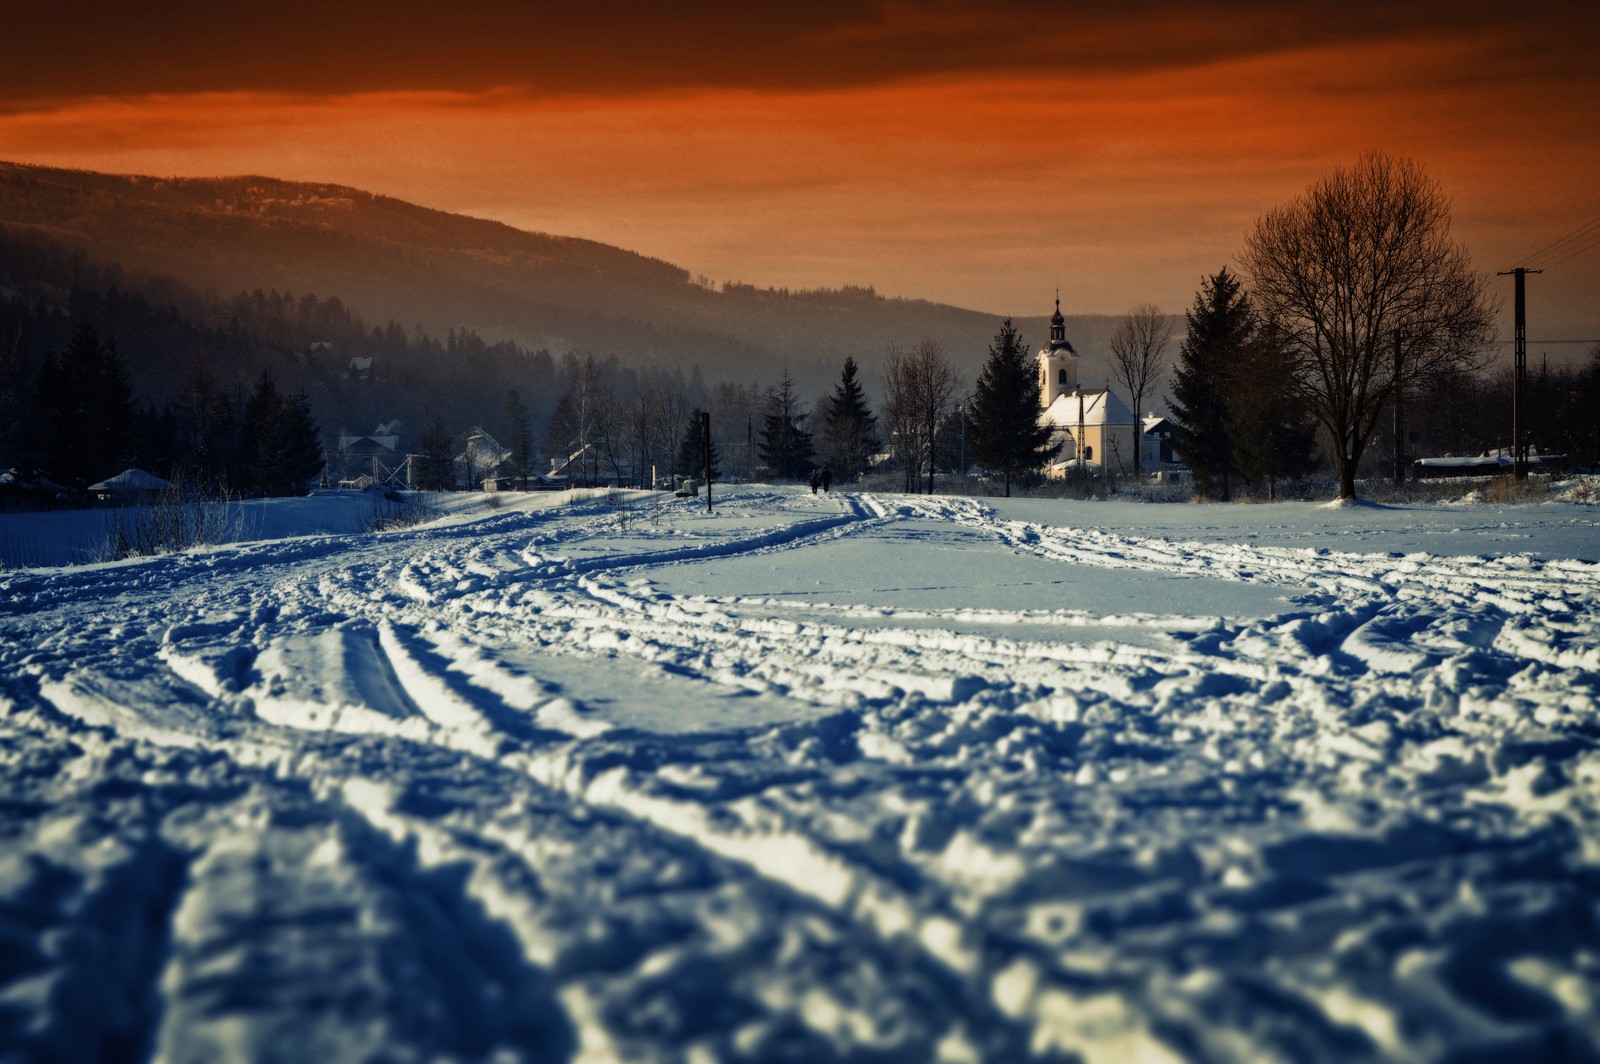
(181, 518)
(1509, 489)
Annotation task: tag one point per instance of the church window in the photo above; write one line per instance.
(1063, 377)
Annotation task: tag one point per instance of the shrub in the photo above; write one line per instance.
(177, 519)
(392, 510)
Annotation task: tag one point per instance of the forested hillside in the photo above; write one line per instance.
(438, 271)
(379, 312)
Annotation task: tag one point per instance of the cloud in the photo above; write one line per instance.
(631, 46)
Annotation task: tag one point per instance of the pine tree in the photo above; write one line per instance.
(434, 468)
(690, 459)
(85, 407)
(302, 444)
(113, 412)
(1270, 429)
(1008, 435)
(278, 446)
(49, 419)
(258, 438)
(517, 429)
(13, 399)
(785, 447)
(1220, 326)
(849, 430)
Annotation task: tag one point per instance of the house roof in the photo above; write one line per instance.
(391, 443)
(483, 448)
(131, 480)
(1100, 407)
(1151, 422)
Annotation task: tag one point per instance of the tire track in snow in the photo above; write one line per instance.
(1358, 831)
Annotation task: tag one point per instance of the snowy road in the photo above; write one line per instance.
(812, 778)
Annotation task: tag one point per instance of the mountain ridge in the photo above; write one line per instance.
(421, 266)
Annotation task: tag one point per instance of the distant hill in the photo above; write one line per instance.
(392, 260)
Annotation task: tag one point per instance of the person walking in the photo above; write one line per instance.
(827, 479)
(815, 480)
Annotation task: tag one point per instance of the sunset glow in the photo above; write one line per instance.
(980, 177)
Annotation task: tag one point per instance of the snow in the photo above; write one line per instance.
(809, 777)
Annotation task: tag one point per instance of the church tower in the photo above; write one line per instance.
(1058, 362)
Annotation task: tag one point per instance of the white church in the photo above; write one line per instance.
(1091, 425)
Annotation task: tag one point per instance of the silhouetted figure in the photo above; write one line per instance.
(827, 478)
(815, 480)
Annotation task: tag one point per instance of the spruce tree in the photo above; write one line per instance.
(302, 444)
(785, 447)
(434, 468)
(13, 399)
(1270, 428)
(517, 429)
(690, 462)
(85, 407)
(49, 420)
(259, 445)
(849, 429)
(1008, 436)
(1220, 327)
(278, 446)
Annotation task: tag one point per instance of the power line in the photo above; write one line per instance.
(1554, 247)
(1575, 252)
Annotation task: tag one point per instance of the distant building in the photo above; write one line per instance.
(130, 485)
(1090, 425)
(1155, 444)
(482, 458)
(363, 460)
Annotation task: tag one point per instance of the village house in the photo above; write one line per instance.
(482, 460)
(362, 461)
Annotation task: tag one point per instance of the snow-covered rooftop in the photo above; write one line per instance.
(132, 480)
(1099, 406)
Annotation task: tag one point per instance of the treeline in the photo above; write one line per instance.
(101, 370)
(82, 425)
(1245, 423)
(177, 384)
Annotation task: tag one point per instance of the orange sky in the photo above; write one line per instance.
(939, 150)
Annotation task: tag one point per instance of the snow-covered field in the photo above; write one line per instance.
(864, 777)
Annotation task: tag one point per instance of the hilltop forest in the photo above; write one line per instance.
(385, 314)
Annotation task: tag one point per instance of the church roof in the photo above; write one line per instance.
(1100, 407)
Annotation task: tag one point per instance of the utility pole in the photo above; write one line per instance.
(1519, 391)
(705, 452)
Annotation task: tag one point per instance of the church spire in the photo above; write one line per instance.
(1058, 325)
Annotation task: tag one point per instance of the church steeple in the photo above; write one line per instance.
(1058, 362)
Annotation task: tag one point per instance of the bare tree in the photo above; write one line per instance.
(654, 408)
(919, 387)
(898, 413)
(585, 418)
(1363, 257)
(735, 409)
(1138, 358)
